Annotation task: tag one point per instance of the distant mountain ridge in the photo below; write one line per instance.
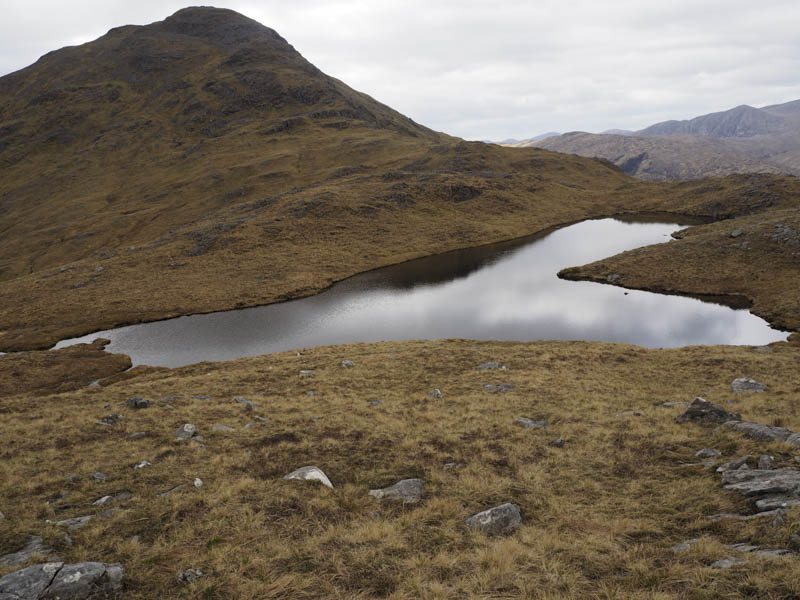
(742, 139)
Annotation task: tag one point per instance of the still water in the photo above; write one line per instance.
(506, 291)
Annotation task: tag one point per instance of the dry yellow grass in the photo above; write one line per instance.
(599, 514)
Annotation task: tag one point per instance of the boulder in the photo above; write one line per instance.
(137, 402)
(186, 431)
(757, 482)
(500, 520)
(745, 384)
(491, 366)
(348, 363)
(759, 431)
(702, 410)
(407, 491)
(435, 393)
(526, 423)
(56, 580)
(708, 453)
(244, 401)
(310, 473)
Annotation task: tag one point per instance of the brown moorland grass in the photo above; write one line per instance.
(599, 515)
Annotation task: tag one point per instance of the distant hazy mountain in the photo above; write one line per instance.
(528, 141)
(743, 139)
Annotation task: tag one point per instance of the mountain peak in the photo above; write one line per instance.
(221, 26)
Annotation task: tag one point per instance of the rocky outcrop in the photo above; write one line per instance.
(57, 581)
(745, 384)
(704, 411)
(33, 547)
(765, 433)
(310, 473)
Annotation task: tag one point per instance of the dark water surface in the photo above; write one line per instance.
(506, 291)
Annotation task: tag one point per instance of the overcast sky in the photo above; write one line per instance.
(484, 69)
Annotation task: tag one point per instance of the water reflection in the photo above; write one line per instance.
(505, 292)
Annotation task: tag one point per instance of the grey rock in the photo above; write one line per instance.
(737, 517)
(435, 393)
(708, 453)
(726, 563)
(766, 462)
(223, 428)
(745, 384)
(75, 523)
(137, 402)
(491, 366)
(734, 464)
(793, 440)
(306, 372)
(2, 516)
(249, 425)
(112, 499)
(189, 575)
(500, 520)
(33, 547)
(262, 419)
(407, 491)
(198, 483)
(137, 435)
(773, 552)
(557, 443)
(776, 501)
(29, 583)
(186, 431)
(684, 546)
(757, 482)
(142, 465)
(759, 431)
(310, 473)
(673, 404)
(530, 423)
(244, 401)
(736, 233)
(110, 420)
(86, 579)
(451, 466)
(98, 476)
(499, 387)
(703, 410)
(348, 363)
(629, 413)
(374, 402)
(310, 393)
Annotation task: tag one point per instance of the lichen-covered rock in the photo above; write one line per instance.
(34, 546)
(757, 482)
(57, 581)
(530, 423)
(497, 387)
(407, 491)
(745, 384)
(500, 520)
(766, 462)
(186, 431)
(435, 394)
(759, 431)
(348, 363)
(708, 453)
(310, 473)
(137, 402)
(702, 410)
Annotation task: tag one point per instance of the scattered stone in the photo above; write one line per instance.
(142, 465)
(306, 372)
(137, 402)
(56, 497)
(186, 431)
(2, 516)
(262, 419)
(75, 522)
(189, 575)
(738, 517)
(137, 436)
(500, 387)
(745, 384)
(348, 363)
(557, 443)
(673, 404)
(736, 232)
(223, 428)
(107, 406)
(708, 453)
(310, 473)
(309, 393)
(766, 462)
(758, 551)
(499, 520)
(33, 547)
(407, 491)
(629, 413)
(247, 404)
(435, 393)
(773, 502)
(111, 499)
(702, 410)
(530, 423)
(756, 482)
(73, 477)
(451, 466)
(761, 432)
(734, 464)
(169, 491)
(375, 402)
(249, 425)
(198, 483)
(726, 563)
(110, 420)
(98, 476)
(491, 366)
(684, 546)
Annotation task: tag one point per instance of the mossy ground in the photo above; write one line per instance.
(599, 514)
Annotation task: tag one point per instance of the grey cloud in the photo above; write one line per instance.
(486, 70)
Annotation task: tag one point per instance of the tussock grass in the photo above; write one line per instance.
(599, 514)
